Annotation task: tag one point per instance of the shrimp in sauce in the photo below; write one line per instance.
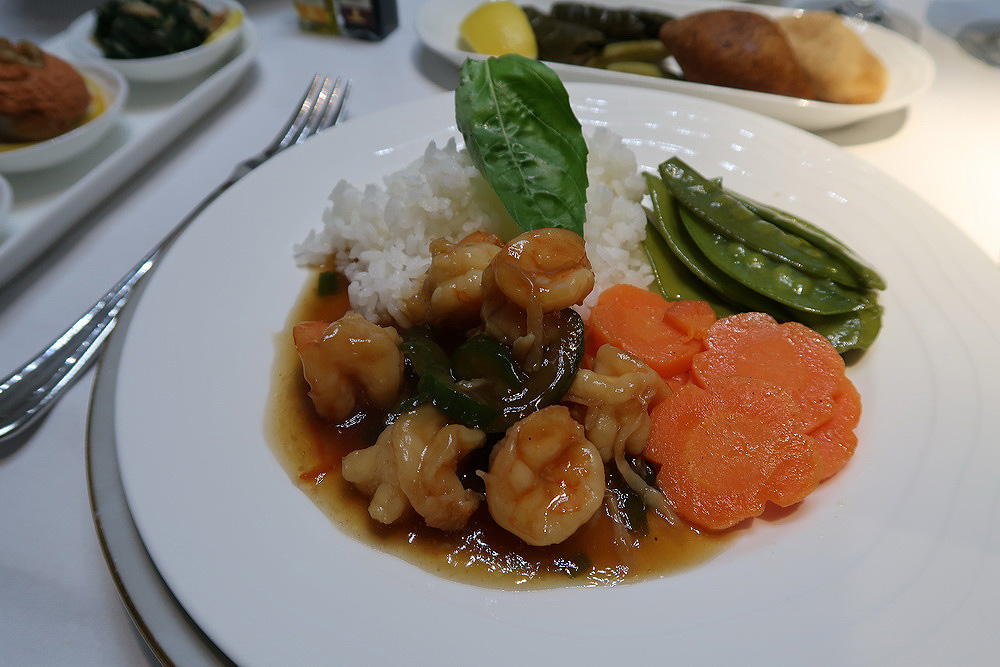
(413, 464)
(349, 362)
(545, 478)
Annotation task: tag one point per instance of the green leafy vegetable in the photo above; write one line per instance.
(520, 130)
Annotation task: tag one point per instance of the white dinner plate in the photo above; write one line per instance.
(894, 559)
(910, 67)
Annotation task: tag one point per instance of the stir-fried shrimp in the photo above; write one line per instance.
(617, 394)
(544, 268)
(373, 471)
(545, 478)
(452, 289)
(349, 362)
(538, 273)
(414, 464)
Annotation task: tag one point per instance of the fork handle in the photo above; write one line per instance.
(29, 391)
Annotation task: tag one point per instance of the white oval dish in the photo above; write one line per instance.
(40, 154)
(911, 69)
(162, 68)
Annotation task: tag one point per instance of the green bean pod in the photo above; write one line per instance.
(793, 224)
(773, 278)
(716, 206)
(855, 330)
(675, 281)
(667, 223)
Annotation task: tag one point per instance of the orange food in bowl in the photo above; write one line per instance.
(41, 95)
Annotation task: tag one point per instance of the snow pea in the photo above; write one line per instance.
(773, 278)
(818, 237)
(855, 330)
(666, 221)
(707, 199)
(674, 280)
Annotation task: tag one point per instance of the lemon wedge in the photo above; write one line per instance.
(496, 28)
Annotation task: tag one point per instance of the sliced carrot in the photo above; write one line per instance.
(836, 436)
(691, 317)
(791, 355)
(675, 382)
(726, 450)
(664, 334)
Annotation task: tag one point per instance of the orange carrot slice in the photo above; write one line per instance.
(728, 449)
(790, 355)
(836, 437)
(664, 334)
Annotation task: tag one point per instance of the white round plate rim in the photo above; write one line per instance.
(169, 633)
(160, 68)
(46, 153)
(270, 580)
(6, 201)
(911, 68)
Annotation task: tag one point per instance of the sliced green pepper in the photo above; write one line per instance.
(430, 363)
(492, 393)
(483, 357)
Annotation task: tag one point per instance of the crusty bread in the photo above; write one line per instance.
(739, 49)
(838, 64)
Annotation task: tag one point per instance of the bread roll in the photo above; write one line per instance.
(735, 48)
(839, 66)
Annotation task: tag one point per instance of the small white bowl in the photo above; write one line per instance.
(103, 81)
(163, 68)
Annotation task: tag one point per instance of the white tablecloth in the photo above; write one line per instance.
(58, 603)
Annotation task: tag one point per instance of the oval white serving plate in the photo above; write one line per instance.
(911, 69)
(162, 68)
(894, 558)
(41, 154)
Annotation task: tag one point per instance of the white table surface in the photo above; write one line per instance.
(58, 603)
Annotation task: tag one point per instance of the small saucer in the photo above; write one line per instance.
(163, 68)
(102, 81)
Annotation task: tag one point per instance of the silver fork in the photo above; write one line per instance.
(28, 392)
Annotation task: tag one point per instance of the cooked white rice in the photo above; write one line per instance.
(379, 237)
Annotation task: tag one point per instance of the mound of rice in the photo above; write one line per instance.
(379, 237)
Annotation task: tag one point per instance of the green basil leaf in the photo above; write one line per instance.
(520, 130)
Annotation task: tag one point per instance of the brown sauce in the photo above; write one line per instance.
(483, 554)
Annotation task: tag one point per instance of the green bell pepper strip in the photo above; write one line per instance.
(430, 363)
(484, 357)
(493, 403)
